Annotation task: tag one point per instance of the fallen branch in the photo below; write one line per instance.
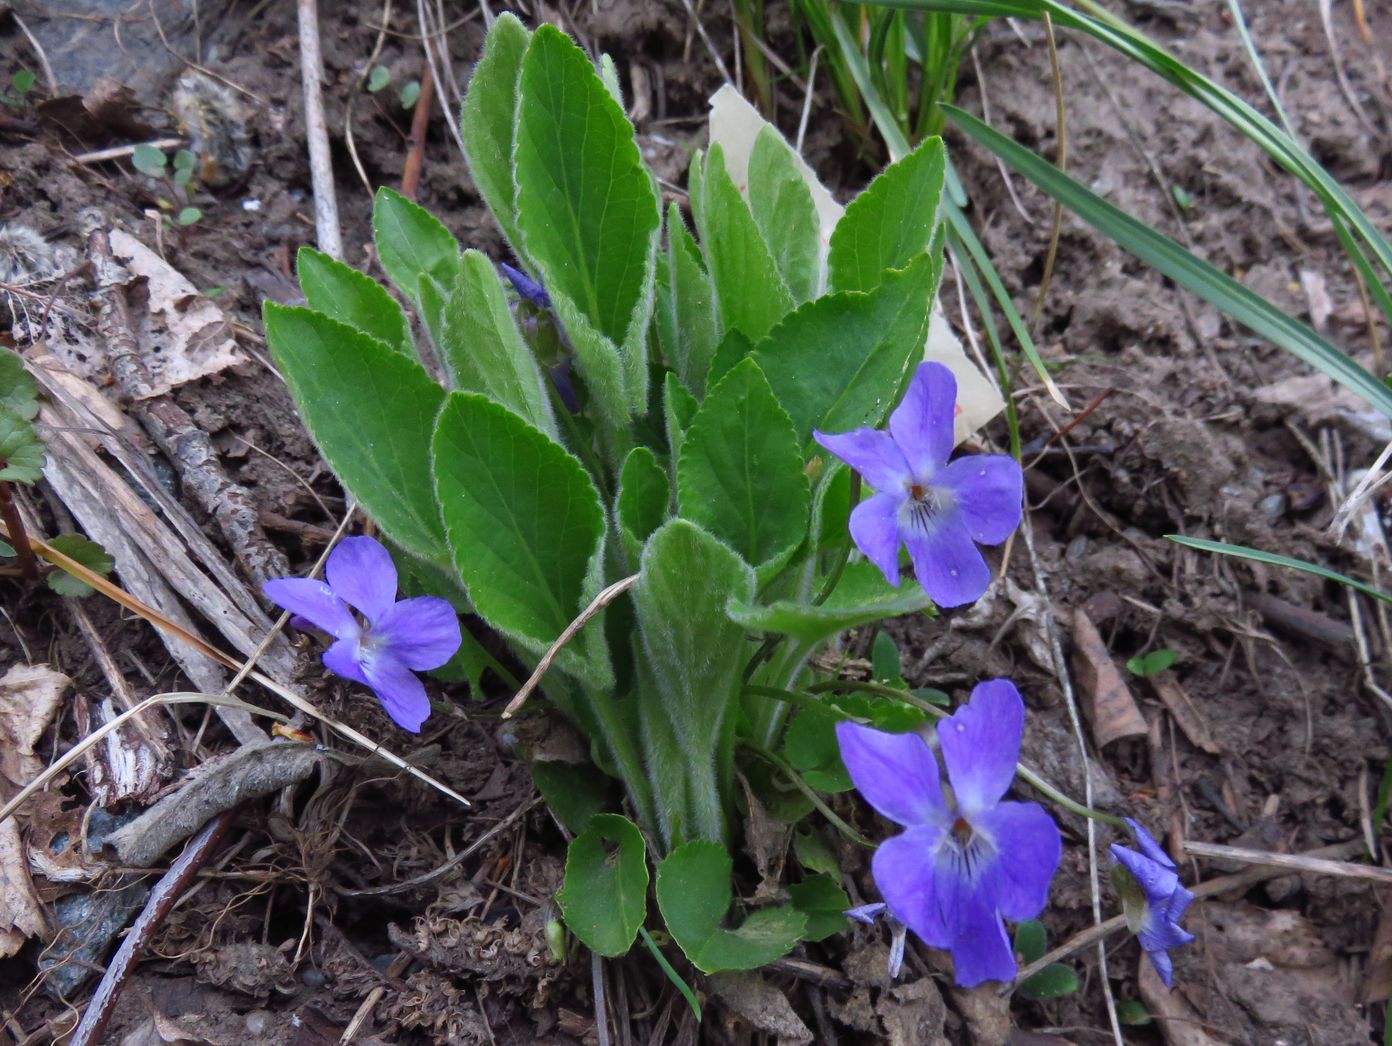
(316, 130)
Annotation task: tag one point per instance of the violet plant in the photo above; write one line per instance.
(635, 406)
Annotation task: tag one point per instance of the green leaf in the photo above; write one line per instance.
(84, 551)
(489, 121)
(814, 853)
(18, 390)
(884, 657)
(22, 82)
(409, 94)
(1054, 980)
(524, 522)
(822, 900)
(344, 294)
(694, 322)
(740, 471)
(1031, 941)
(188, 216)
(889, 224)
(605, 894)
(21, 450)
(862, 597)
(182, 176)
(689, 643)
(7, 550)
(586, 205)
(693, 892)
(810, 747)
(184, 160)
(1153, 663)
(1272, 559)
(371, 412)
(378, 78)
(749, 293)
(839, 362)
(1185, 268)
(484, 350)
(574, 792)
(148, 160)
(599, 361)
(732, 348)
(1132, 1012)
(645, 495)
(785, 214)
(678, 408)
(411, 244)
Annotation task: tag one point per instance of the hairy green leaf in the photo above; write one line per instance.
(412, 244)
(740, 471)
(344, 294)
(371, 411)
(483, 349)
(488, 120)
(783, 210)
(18, 390)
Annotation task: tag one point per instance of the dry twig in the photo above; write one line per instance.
(326, 227)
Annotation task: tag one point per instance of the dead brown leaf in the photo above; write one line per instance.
(29, 695)
(159, 1030)
(21, 914)
(1189, 718)
(1106, 698)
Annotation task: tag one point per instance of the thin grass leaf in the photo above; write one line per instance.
(672, 974)
(1180, 265)
(1115, 33)
(1273, 559)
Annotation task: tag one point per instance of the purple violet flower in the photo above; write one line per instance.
(399, 638)
(1152, 897)
(939, 509)
(965, 859)
(526, 287)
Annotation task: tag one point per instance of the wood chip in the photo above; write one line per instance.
(1107, 700)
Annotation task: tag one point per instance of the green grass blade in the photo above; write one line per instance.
(672, 975)
(1185, 268)
(1272, 559)
(1135, 45)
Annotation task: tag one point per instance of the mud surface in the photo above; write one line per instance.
(1265, 734)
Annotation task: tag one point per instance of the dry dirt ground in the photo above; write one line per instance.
(1266, 733)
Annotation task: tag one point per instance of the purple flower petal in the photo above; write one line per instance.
(526, 287)
(922, 424)
(897, 940)
(875, 530)
(1148, 845)
(1164, 966)
(981, 744)
(342, 659)
(423, 631)
(865, 913)
(894, 773)
(1156, 881)
(989, 489)
(903, 871)
(401, 693)
(980, 949)
(947, 562)
(1030, 846)
(361, 572)
(315, 602)
(873, 454)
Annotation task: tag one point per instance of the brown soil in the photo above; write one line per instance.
(1192, 431)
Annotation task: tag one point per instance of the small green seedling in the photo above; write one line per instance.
(21, 83)
(1152, 664)
(410, 94)
(178, 175)
(378, 78)
(1056, 979)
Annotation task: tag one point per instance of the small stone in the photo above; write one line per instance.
(257, 1022)
(313, 978)
(1077, 549)
(1273, 507)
